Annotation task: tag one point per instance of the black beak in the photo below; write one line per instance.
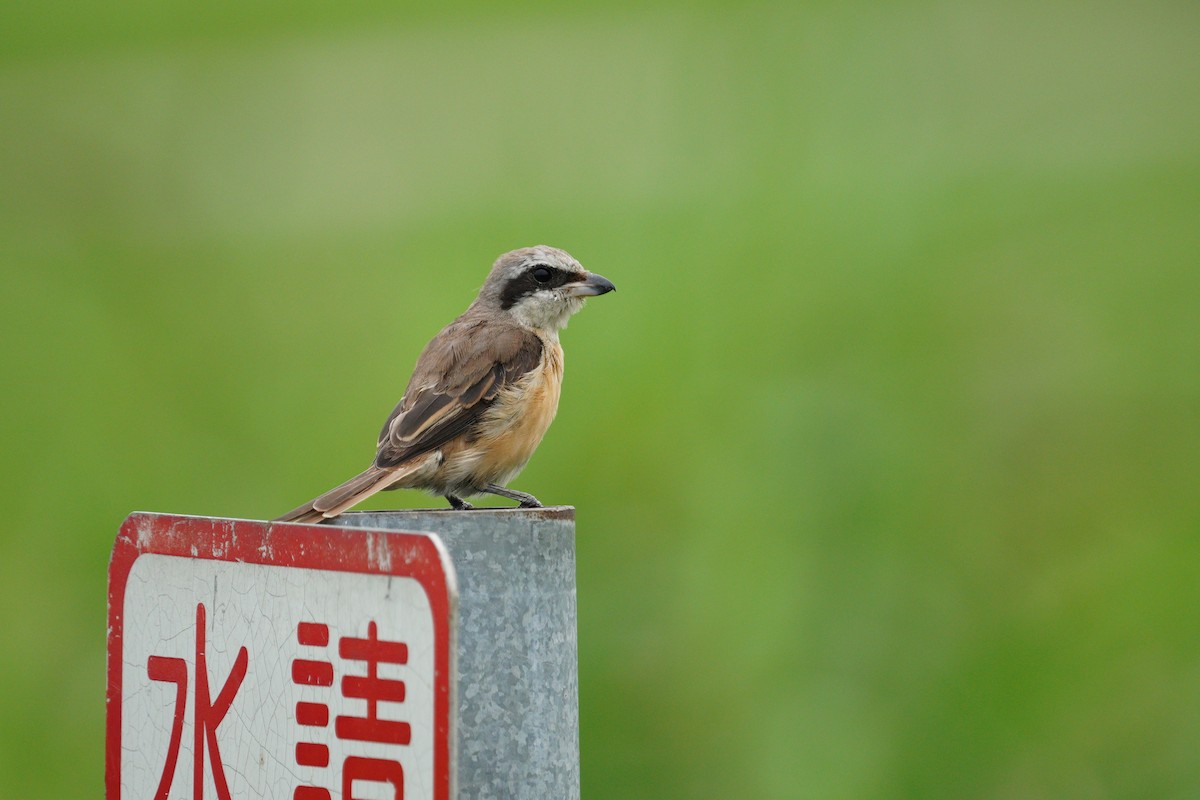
(592, 286)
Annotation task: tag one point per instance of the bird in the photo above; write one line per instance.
(483, 391)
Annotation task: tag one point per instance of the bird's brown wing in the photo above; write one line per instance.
(456, 379)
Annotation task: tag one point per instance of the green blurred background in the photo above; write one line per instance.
(886, 452)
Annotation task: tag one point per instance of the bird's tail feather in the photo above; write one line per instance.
(342, 497)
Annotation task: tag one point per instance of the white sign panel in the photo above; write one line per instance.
(278, 661)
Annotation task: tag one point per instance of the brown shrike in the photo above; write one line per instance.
(483, 392)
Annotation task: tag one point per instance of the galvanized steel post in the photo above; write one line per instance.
(518, 680)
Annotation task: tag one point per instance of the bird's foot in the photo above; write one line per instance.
(526, 500)
(458, 504)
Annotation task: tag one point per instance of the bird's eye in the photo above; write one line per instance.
(541, 274)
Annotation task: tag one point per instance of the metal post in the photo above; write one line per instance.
(518, 680)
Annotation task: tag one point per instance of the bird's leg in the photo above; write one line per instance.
(526, 500)
(458, 503)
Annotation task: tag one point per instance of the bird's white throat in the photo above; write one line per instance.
(547, 310)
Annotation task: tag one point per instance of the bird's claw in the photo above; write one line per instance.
(458, 504)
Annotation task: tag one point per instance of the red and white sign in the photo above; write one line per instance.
(275, 660)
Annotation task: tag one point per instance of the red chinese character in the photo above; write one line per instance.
(369, 728)
(208, 712)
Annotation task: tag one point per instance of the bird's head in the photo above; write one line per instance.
(540, 287)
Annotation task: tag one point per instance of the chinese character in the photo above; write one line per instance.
(369, 728)
(208, 712)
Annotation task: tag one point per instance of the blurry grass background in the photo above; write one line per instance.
(886, 452)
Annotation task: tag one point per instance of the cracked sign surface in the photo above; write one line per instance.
(278, 661)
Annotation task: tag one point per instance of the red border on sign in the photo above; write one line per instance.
(324, 547)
